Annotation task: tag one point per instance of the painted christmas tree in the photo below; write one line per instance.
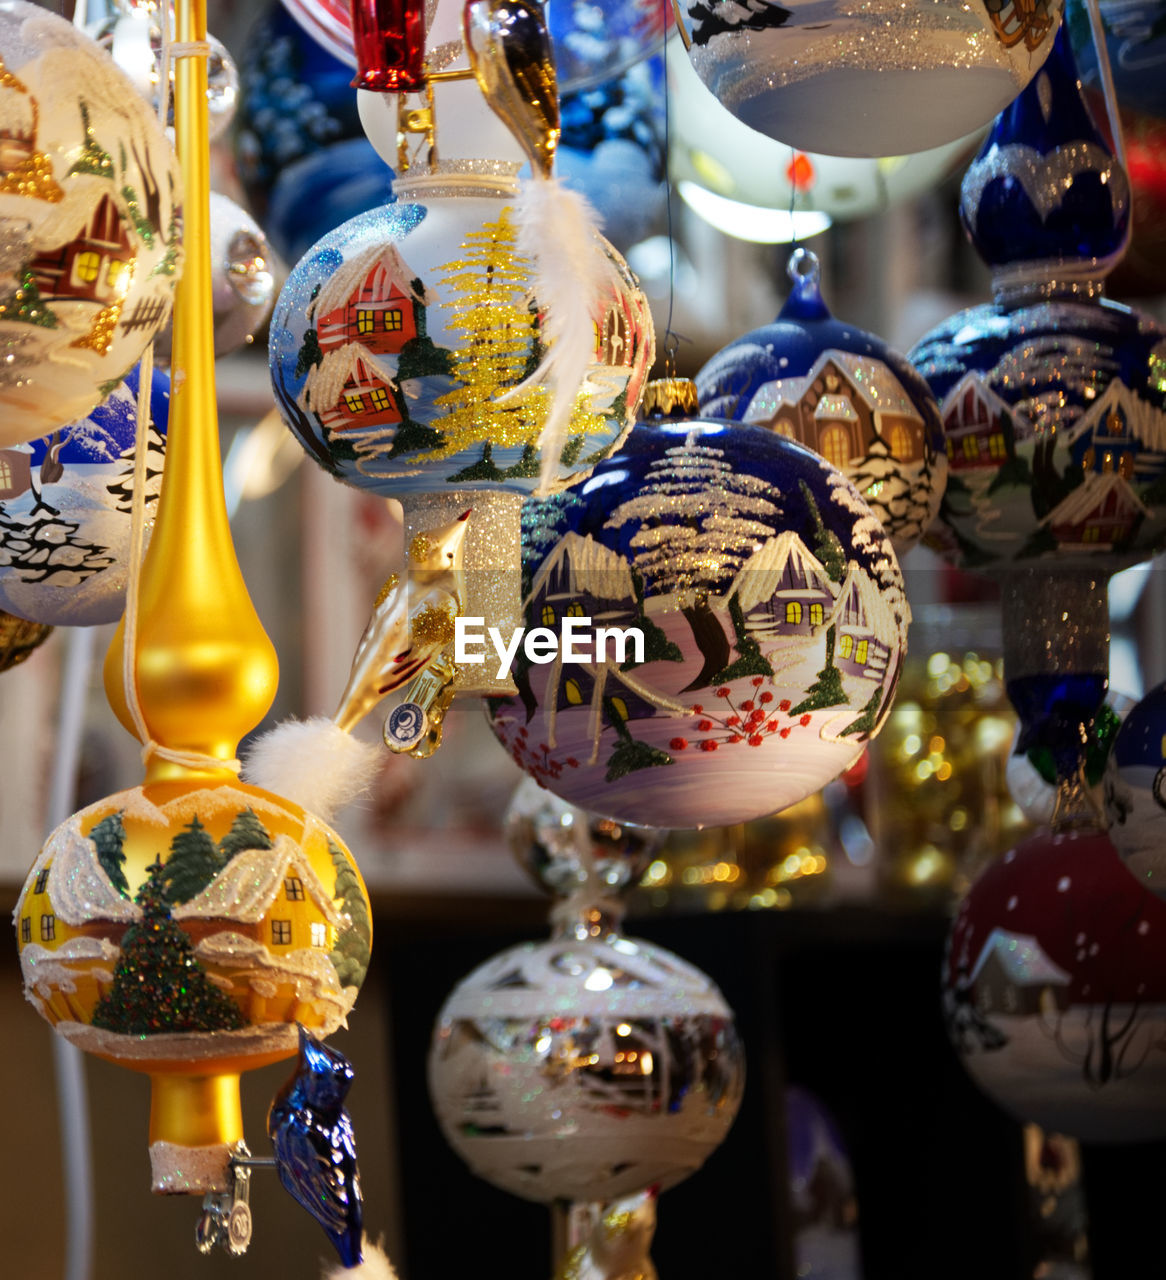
(826, 691)
(246, 832)
(353, 948)
(123, 487)
(158, 985)
(193, 863)
(109, 839)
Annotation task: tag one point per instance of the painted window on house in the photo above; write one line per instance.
(846, 646)
(816, 614)
(619, 708)
(860, 652)
(834, 446)
(573, 692)
(354, 404)
(548, 615)
(293, 888)
(366, 321)
(86, 267)
(48, 928)
(393, 319)
(379, 397)
(281, 932)
(793, 612)
(319, 933)
(26, 929)
(42, 880)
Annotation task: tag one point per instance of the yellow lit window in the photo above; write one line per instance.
(619, 708)
(971, 448)
(901, 445)
(573, 692)
(293, 888)
(816, 614)
(784, 427)
(86, 267)
(379, 397)
(26, 929)
(319, 933)
(996, 446)
(393, 321)
(834, 446)
(1092, 534)
(793, 612)
(118, 275)
(42, 879)
(575, 610)
(354, 404)
(860, 652)
(5, 474)
(548, 615)
(846, 646)
(366, 321)
(281, 932)
(48, 928)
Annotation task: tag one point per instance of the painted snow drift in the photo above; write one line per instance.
(1135, 791)
(89, 223)
(65, 511)
(392, 346)
(1055, 418)
(774, 620)
(1055, 990)
(585, 1070)
(159, 928)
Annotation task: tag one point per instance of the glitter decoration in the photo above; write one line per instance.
(89, 198)
(433, 626)
(849, 80)
(773, 620)
(1055, 989)
(1135, 791)
(843, 393)
(179, 1170)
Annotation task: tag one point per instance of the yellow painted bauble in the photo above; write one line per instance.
(183, 930)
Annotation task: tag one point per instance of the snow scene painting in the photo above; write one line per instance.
(149, 929)
(1055, 420)
(65, 511)
(773, 615)
(391, 354)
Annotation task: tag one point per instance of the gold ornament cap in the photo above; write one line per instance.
(670, 398)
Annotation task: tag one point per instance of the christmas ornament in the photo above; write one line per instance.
(315, 1147)
(772, 620)
(1135, 43)
(587, 1067)
(65, 510)
(615, 1241)
(89, 196)
(711, 150)
(849, 81)
(842, 393)
(243, 279)
(18, 639)
(183, 927)
(1052, 398)
(1135, 791)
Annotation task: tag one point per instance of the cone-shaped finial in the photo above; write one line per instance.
(1046, 203)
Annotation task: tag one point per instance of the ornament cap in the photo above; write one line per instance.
(805, 300)
(670, 398)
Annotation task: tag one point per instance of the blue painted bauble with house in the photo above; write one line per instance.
(1135, 791)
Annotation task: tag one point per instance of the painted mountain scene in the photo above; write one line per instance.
(1055, 423)
(773, 617)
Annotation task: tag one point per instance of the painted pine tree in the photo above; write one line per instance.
(108, 837)
(827, 690)
(246, 832)
(158, 985)
(353, 949)
(123, 487)
(193, 863)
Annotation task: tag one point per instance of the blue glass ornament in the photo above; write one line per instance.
(842, 392)
(1135, 791)
(315, 1147)
(1135, 37)
(773, 621)
(1053, 399)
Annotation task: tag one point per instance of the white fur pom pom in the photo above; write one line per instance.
(313, 762)
(559, 232)
(376, 1266)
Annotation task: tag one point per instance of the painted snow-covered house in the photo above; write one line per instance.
(15, 472)
(1103, 511)
(783, 589)
(94, 265)
(1119, 432)
(843, 406)
(974, 420)
(581, 578)
(862, 615)
(375, 300)
(1013, 975)
(350, 391)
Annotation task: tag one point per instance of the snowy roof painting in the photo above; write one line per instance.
(79, 889)
(760, 577)
(838, 408)
(247, 886)
(875, 607)
(1146, 422)
(973, 381)
(879, 389)
(326, 381)
(591, 565)
(1021, 958)
(1089, 494)
(348, 280)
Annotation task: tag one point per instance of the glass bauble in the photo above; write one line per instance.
(89, 222)
(395, 336)
(773, 616)
(65, 510)
(843, 393)
(585, 1070)
(852, 80)
(566, 850)
(1055, 989)
(1135, 791)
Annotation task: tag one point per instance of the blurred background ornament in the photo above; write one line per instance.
(65, 510)
(18, 639)
(842, 393)
(1052, 398)
(1135, 41)
(615, 1240)
(850, 82)
(750, 186)
(89, 218)
(772, 611)
(1135, 791)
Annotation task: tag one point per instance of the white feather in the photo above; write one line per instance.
(376, 1266)
(313, 762)
(559, 232)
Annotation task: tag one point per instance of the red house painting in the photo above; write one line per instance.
(348, 391)
(1101, 512)
(95, 266)
(973, 425)
(372, 300)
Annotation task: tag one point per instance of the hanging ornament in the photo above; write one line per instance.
(771, 620)
(89, 194)
(853, 80)
(615, 1240)
(713, 154)
(1135, 791)
(587, 1067)
(18, 639)
(843, 393)
(183, 927)
(1053, 399)
(65, 510)
(595, 40)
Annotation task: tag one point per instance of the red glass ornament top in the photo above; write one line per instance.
(389, 39)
